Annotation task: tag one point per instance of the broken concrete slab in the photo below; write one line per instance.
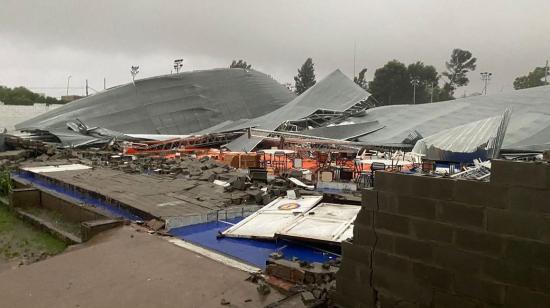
(14, 154)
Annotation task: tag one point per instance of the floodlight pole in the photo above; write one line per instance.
(415, 83)
(485, 77)
(178, 64)
(134, 70)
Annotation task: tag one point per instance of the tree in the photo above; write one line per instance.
(240, 64)
(360, 79)
(306, 77)
(24, 96)
(391, 83)
(428, 80)
(533, 79)
(460, 64)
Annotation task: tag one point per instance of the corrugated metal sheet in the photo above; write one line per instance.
(172, 104)
(477, 140)
(336, 92)
(344, 132)
(529, 127)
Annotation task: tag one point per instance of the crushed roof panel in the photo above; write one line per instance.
(172, 104)
(528, 129)
(336, 92)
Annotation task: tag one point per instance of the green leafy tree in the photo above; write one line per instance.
(24, 96)
(240, 64)
(458, 66)
(428, 80)
(306, 77)
(360, 80)
(391, 83)
(533, 79)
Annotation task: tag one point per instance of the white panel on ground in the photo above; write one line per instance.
(272, 218)
(326, 222)
(46, 169)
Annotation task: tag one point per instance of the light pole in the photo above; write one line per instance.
(546, 71)
(431, 92)
(178, 64)
(415, 82)
(134, 70)
(68, 81)
(485, 77)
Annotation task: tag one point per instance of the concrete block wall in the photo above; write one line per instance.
(26, 198)
(434, 242)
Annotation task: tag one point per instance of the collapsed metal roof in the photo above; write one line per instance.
(476, 140)
(336, 93)
(528, 129)
(171, 104)
(225, 100)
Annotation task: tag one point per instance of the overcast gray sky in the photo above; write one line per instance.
(42, 42)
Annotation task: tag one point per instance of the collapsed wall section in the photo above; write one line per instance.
(434, 242)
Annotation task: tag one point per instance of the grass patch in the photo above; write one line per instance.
(5, 182)
(19, 239)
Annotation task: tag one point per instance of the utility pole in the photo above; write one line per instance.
(104, 83)
(68, 81)
(432, 93)
(86, 87)
(485, 77)
(354, 49)
(415, 82)
(546, 73)
(178, 64)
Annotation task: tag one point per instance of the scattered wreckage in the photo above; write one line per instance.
(266, 183)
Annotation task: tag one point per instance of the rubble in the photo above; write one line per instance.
(311, 283)
(155, 224)
(263, 288)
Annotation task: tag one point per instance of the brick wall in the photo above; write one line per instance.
(433, 242)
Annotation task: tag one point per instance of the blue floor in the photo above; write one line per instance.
(114, 210)
(254, 252)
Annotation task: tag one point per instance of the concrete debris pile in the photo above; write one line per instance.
(203, 169)
(312, 284)
(11, 158)
(209, 180)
